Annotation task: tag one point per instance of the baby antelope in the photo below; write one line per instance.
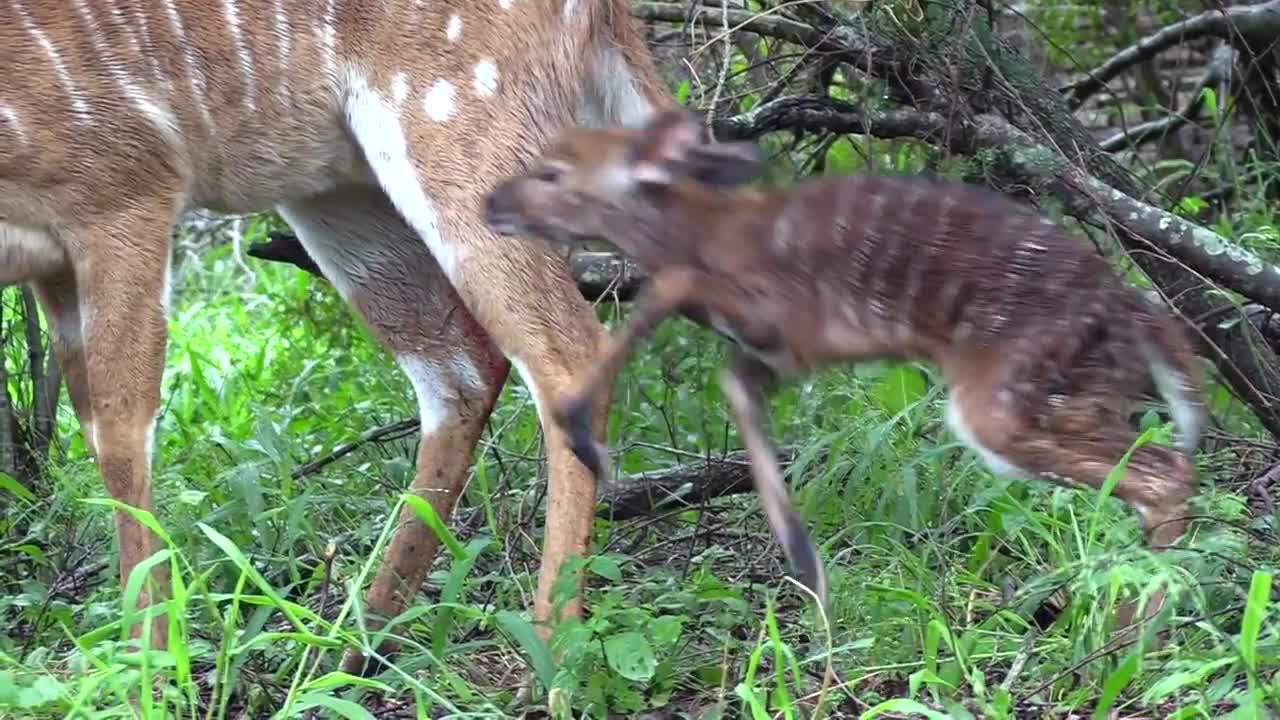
(1043, 347)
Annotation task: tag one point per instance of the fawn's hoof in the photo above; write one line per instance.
(574, 419)
(366, 666)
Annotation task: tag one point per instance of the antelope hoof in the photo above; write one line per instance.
(356, 663)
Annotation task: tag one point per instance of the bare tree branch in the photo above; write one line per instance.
(626, 497)
(769, 25)
(46, 380)
(1200, 248)
(600, 275)
(1251, 22)
(1220, 67)
(688, 485)
(8, 422)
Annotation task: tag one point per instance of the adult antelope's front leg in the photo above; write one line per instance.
(121, 277)
(667, 291)
(550, 333)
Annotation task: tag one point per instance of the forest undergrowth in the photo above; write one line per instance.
(955, 593)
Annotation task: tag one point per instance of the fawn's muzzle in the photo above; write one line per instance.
(500, 212)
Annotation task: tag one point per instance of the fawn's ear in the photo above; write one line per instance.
(725, 164)
(663, 147)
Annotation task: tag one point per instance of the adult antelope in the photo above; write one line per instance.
(374, 129)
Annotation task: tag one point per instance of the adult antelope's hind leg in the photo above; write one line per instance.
(743, 384)
(523, 296)
(121, 275)
(380, 266)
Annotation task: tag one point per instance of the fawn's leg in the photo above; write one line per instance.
(382, 269)
(1076, 441)
(121, 266)
(668, 289)
(743, 385)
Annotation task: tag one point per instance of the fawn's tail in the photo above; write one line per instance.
(1174, 368)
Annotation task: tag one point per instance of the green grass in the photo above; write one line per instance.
(955, 593)
(939, 571)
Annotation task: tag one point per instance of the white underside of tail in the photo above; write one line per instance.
(1187, 419)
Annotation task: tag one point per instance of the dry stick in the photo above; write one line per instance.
(1115, 646)
(386, 433)
(1249, 21)
(1219, 67)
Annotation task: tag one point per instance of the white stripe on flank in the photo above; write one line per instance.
(284, 39)
(328, 35)
(79, 106)
(160, 117)
(195, 78)
(246, 60)
(11, 117)
(376, 127)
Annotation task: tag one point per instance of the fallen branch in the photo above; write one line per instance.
(688, 485)
(600, 275)
(1220, 67)
(1201, 249)
(1249, 22)
(623, 498)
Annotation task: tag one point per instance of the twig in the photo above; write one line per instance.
(600, 275)
(1220, 67)
(1247, 21)
(386, 433)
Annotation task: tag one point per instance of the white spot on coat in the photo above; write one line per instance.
(399, 87)
(438, 102)
(453, 30)
(486, 80)
(570, 7)
(504, 4)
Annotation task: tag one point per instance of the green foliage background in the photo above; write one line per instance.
(956, 593)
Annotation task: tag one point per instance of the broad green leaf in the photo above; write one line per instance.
(630, 655)
(606, 567)
(899, 387)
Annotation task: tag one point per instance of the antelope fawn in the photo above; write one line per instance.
(1042, 346)
(371, 127)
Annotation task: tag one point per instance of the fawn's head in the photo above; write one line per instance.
(589, 179)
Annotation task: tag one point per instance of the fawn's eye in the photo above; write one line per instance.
(548, 173)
